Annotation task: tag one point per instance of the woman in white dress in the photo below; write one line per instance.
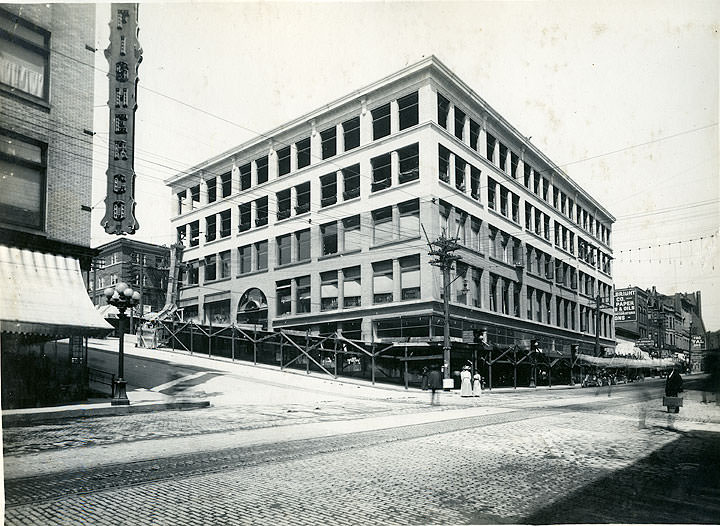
(465, 382)
(477, 384)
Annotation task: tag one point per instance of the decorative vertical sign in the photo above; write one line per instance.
(124, 56)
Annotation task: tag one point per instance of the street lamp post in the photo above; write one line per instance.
(122, 297)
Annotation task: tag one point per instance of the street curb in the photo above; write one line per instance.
(30, 418)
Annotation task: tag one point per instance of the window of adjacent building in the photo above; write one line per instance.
(492, 193)
(444, 210)
(22, 168)
(493, 292)
(539, 305)
(262, 169)
(409, 218)
(505, 295)
(514, 161)
(329, 235)
(211, 189)
(530, 298)
(261, 211)
(283, 293)
(515, 207)
(329, 290)
(24, 58)
(225, 264)
(382, 225)
(195, 196)
(193, 272)
(443, 163)
(284, 161)
(546, 226)
(528, 215)
(474, 134)
(261, 255)
(303, 152)
(180, 195)
(210, 267)
(409, 161)
(546, 185)
(490, 148)
(351, 182)
(351, 233)
(460, 222)
(475, 225)
(474, 182)
(408, 110)
(245, 176)
(460, 173)
(210, 228)
(302, 192)
(383, 281)
(493, 242)
(352, 290)
(410, 277)
(225, 223)
(302, 292)
(381, 172)
(459, 123)
(351, 133)
(328, 189)
(504, 201)
(245, 210)
(328, 138)
(194, 233)
(284, 249)
(302, 239)
(245, 259)
(226, 184)
(381, 121)
(476, 287)
(503, 157)
(283, 204)
(443, 110)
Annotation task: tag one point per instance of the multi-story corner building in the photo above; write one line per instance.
(141, 265)
(46, 116)
(321, 224)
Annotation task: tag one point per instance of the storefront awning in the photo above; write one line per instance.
(44, 294)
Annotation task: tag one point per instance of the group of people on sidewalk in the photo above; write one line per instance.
(470, 385)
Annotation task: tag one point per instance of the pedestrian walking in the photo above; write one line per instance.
(477, 384)
(424, 379)
(673, 387)
(466, 382)
(435, 382)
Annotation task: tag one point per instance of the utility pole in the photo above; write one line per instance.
(442, 249)
(690, 346)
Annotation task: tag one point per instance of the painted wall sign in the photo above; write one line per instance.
(124, 56)
(625, 305)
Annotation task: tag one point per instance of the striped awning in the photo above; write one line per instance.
(44, 294)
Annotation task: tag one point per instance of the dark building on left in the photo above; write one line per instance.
(46, 115)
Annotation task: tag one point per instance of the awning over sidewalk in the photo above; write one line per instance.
(45, 294)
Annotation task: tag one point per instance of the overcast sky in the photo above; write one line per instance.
(622, 95)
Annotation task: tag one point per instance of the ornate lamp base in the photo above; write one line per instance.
(120, 397)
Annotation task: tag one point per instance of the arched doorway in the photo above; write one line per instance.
(253, 308)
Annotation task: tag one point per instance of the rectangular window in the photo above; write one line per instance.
(528, 216)
(351, 133)
(284, 161)
(245, 210)
(210, 228)
(383, 281)
(492, 193)
(460, 173)
(283, 293)
(329, 234)
(194, 233)
(381, 121)
(529, 302)
(493, 242)
(328, 138)
(474, 134)
(504, 201)
(302, 239)
(303, 153)
(226, 184)
(546, 227)
(490, 148)
(459, 123)
(180, 234)
(245, 176)
(225, 264)
(262, 169)
(382, 225)
(210, 267)
(225, 223)
(180, 195)
(328, 189)
(381, 172)
(505, 295)
(409, 161)
(195, 197)
(443, 163)
(493, 292)
(22, 169)
(351, 233)
(302, 292)
(409, 218)
(284, 249)
(408, 110)
(329, 290)
(351, 182)
(193, 272)
(302, 192)
(283, 204)
(443, 110)
(261, 211)
(352, 290)
(503, 157)
(410, 277)
(527, 177)
(515, 207)
(514, 161)
(477, 287)
(475, 225)
(211, 190)
(474, 183)
(245, 259)
(261, 255)
(24, 58)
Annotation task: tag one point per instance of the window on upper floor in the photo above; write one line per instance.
(302, 294)
(443, 110)
(225, 223)
(262, 169)
(210, 228)
(283, 204)
(410, 277)
(490, 148)
(195, 196)
(245, 176)
(514, 162)
(352, 289)
(351, 133)
(24, 60)
(226, 184)
(245, 259)
(474, 134)
(261, 255)
(459, 123)
(351, 182)
(302, 242)
(211, 267)
(381, 172)
(225, 264)
(443, 163)
(383, 281)
(409, 218)
(180, 196)
(515, 207)
(474, 183)
(329, 290)
(195, 233)
(382, 225)
(351, 233)
(211, 189)
(302, 192)
(22, 169)
(192, 272)
(329, 235)
(328, 138)
(245, 211)
(409, 161)
(328, 189)
(284, 161)
(381, 121)
(460, 165)
(283, 293)
(303, 152)
(503, 157)
(261, 211)
(284, 249)
(504, 201)
(408, 110)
